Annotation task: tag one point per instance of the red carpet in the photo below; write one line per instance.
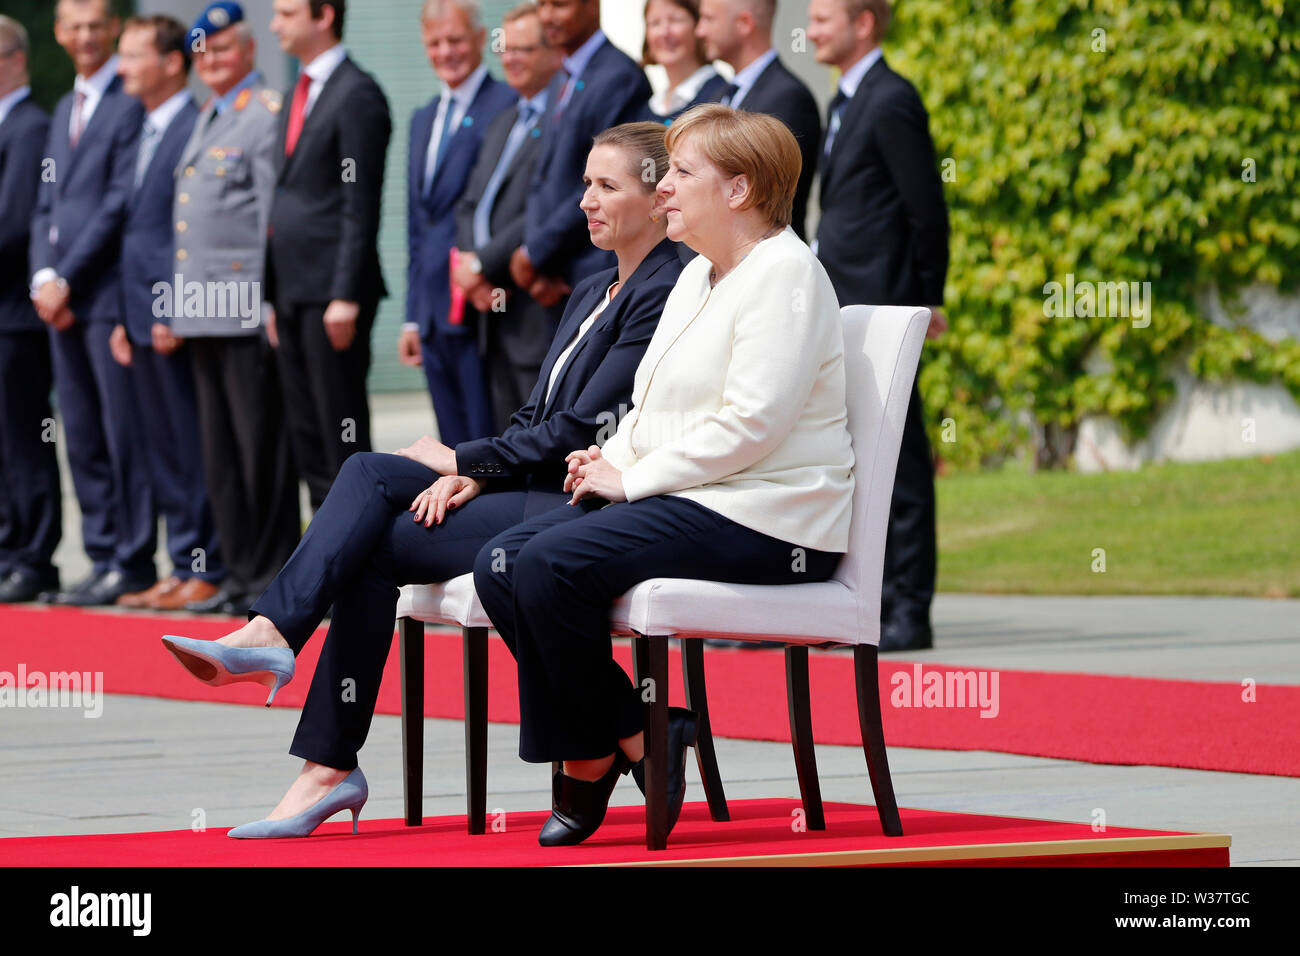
(759, 832)
(1101, 719)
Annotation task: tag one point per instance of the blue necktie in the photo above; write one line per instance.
(148, 146)
(728, 91)
(444, 140)
(833, 118)
(514, 142)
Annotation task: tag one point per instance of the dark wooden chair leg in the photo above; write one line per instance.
(866, 673)
(651, 655)
(697, 700)
(475, 644)
(411, 651)
(801, 737)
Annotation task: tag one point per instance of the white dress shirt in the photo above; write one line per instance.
(93, 88)
(677, 97)
(738, 404)
(458, 101)
(320, 70)
(587, 323)
(746, 78)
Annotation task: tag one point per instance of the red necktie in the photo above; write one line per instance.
(296, 113)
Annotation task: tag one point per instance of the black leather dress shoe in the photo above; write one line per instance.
(578, 806)
(24, 584)
(905, 636)
(223, 602)
(110, 586)
(683, 725)
(55, 596)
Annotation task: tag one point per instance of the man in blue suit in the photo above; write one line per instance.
(446, 135)
(30, 507)
(76, 234)
(599, 87)
(154, 59)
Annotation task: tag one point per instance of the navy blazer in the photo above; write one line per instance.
(77, 228)
(883, 235)
(431, 219)
(148, 235)
(612, 90)
(594, 387)
(22, 147)
(711, 92)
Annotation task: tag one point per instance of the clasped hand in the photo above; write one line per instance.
(590, 474)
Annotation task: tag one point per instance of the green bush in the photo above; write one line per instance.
(1163, 150)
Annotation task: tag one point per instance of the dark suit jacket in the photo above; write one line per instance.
(524, 323)
(431, 219)
(148, 234)
(612, 90)
(323, 236)
(594, 383)
(778, 92)
(78, 223)
(22, 147)
(883, 236)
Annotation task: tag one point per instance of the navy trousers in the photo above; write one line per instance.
(106, 451)
(164, 391)
(31, 509)
(362, 545)
(548, 585)
(458, 385)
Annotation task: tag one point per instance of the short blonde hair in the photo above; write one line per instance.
(750, 144)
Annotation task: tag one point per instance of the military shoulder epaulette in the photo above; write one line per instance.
(271, 99)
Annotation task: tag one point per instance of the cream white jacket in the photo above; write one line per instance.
(738, 403)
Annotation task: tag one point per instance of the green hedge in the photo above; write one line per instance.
(1125, 157)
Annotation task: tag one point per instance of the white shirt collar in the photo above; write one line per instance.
(747, 77)
(96, 85)
(161, 116)
(464, 94)
(323, 67)
(576, 64)
(10, 100)
(674, 98)
(852, 77)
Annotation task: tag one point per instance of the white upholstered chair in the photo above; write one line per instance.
(882, 352)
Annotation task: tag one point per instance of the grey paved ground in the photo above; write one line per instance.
(151, 764)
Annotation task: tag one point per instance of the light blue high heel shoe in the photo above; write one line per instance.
(351, 795)
(216, 664)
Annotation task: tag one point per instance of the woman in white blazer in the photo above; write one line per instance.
(733, 464)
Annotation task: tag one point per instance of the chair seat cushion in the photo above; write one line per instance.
(816, 613)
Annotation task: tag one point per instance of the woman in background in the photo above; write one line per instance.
(670, 42)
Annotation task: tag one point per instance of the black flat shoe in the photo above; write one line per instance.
(578, 806)
(683, 725)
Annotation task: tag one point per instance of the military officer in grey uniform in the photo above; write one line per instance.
(223, 198)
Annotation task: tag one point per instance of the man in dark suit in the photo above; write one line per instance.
(322, 252)
(739, 32)
(31, 516)
(599, 87)
(446, 135)
(154, 59)
(76, 286)
(883, 239)
(514, 329)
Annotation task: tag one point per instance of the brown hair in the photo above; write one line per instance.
(169, 35)
(750, 144)
(644, 144)
(340, 9)
(879, 9)
(693, 8)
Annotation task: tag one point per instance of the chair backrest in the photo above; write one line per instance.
(882, 349)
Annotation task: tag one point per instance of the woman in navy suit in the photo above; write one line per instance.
(422, 515)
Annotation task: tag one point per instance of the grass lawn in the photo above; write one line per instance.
(1224, 527)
